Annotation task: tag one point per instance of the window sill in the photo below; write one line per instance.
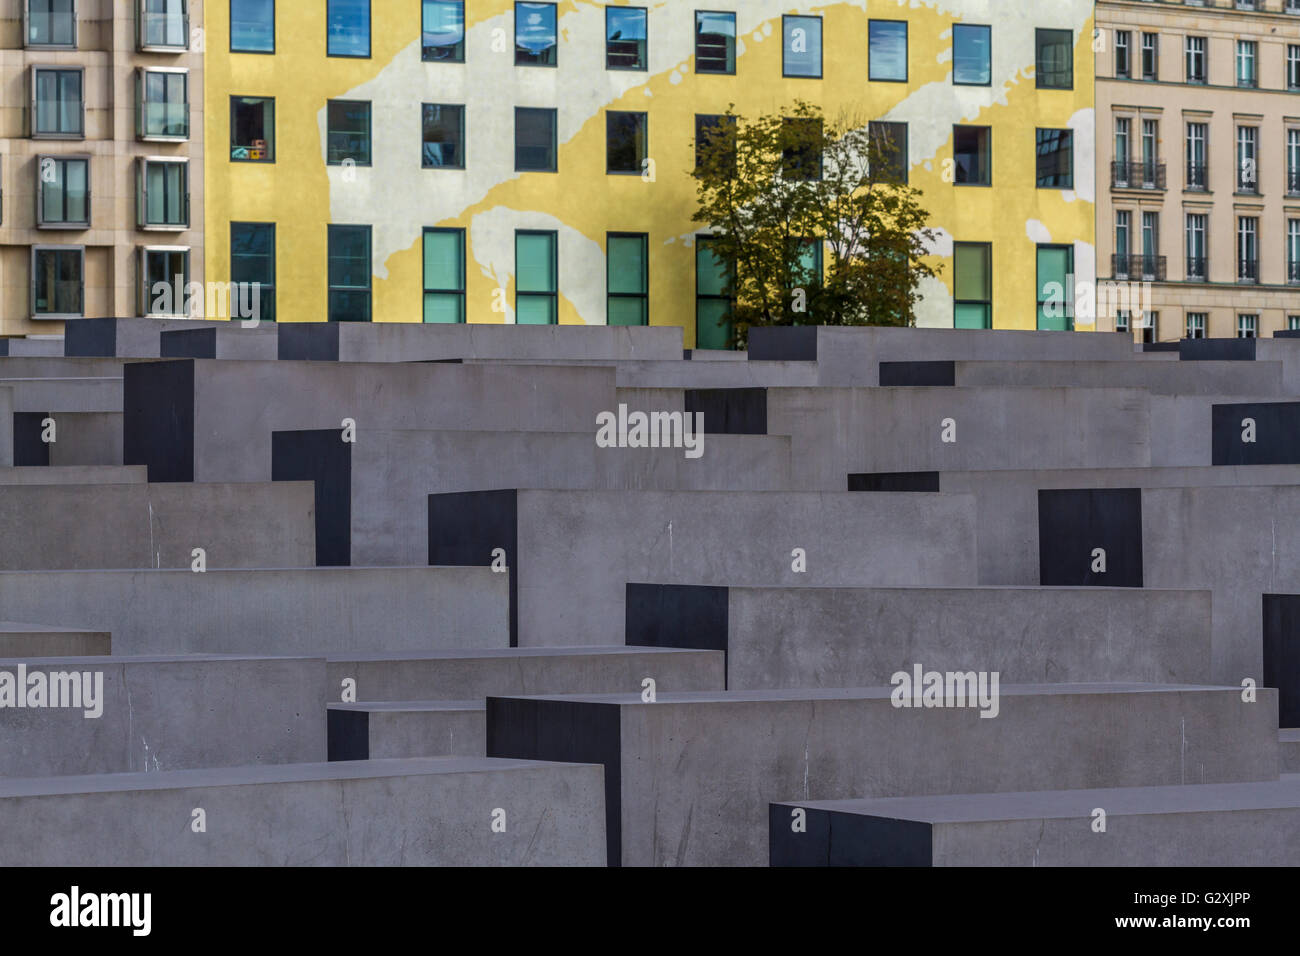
(160, 138)
(163, 227)
(64, 226)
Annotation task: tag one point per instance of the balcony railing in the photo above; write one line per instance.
(1197, 175)
(1293, 182)
(1247, 270)
(1149, 268)
(1197, 267)
(1293, 272)
(1137, 175)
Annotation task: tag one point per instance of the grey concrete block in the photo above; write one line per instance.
(54, 395)
(689, 778)
(18, 639)
(435, 812)
(836, 432)
(87, 438)
(164, 713)
(6, 426)
(1168, 378)
(701, 373)
(572, 553)
(1289, 749)
(35, 345)
(61, 367)
(1218, 824)
(379, 730)
(851, 356)
(122, 338)
(75, 475)
(287, 611)
(831, 637)
(401, 342)
(232, 341)
(465, 674)
(141, 526)
(204, 420)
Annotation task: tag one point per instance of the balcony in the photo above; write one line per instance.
(1137, 175)
(1197, 176)
(1147, 268)
(1248, 270)
(1197, 268)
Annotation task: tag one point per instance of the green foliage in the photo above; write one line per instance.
(781, 191)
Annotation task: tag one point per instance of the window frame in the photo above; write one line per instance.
(1155, 56)
(986, 303)
(1124, 72)
(1040, 32)
(1038, 283)
(460, 58)
(141, 102)
(1190, 55)
(821, 51)
(904, 155)
(645, 142)
(1065, 134)
(270, 143)
(701, 243)
(230, 21)
(33, 77)
(988, 31)
(554, 294)
(370, 270)
(38, 248)
(460, 142)
(644, 296)
(721, 123)
(142, 193)
(988, 152)
(62, 224)
(907, 52)
(370, 150)
(645, 53)
(1201, 320)
(261, 286)
(424, 282)
(27, 31)
(555, 49)
(695, 44)
(370, 29)
(142, 289)
(555, 136)
(144, 46)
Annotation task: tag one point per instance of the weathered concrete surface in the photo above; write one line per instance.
(701, 373)
(1289, 749)
(573, 552)
(89, 438)
(204, 420)
(61, 367)
(53, 395)
(435, 812)
(401, 342)
(6, 426)
(167, 713)
(852, 356)
(73, 527)
(1167, 378)
(831, 637)
(840, 431)
(18, 639)
(391, 474)
(690, 777)
(122, 338)
(1215, 824)
(378, 730)
(312, 611)
(35, 345)
(463, 674)
(75, 475)
(1182, 426)
(232, 342)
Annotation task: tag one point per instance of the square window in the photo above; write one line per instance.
(1055, 159)
(972, 55)
(534, 140)
(1247, 326)
(252, 26)
(58, 106)
(252, 129)
(1054, 59)
(444, 276)
(890, 139)
(625, 38)
(164, 24)
(348, 26)
(444, 136)
(162, 193)
(887, 50)
(972, 155)
(713, 282)
(535, 278)
(164, 280)
(442, 31)
(1196, 325)
(162, 107)
(536, 38)
(625, 142)
(51, 23)
(58, 281)
(252, 267)
(715, 42)
(801, 148)
(347, 133)
(63, 192)
(627, 279)
(802, 46)
(716, 130)
(349, 273)
(972, 285)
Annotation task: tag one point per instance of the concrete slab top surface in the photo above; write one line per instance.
(1289, 735)
(17, 627)
(65, 663)
(860, 693)
(402, 706)
(506, 653)
(987, 807)
(265, 775)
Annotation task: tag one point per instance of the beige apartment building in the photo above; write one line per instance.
(101, 158)
(1198, 172)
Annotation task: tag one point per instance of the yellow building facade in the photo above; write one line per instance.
(355, 127)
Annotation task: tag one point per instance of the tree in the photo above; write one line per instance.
(783, 192)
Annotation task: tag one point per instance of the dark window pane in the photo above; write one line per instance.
(444, 134)
(50, 23)
(1054, 59)
(801, 156)
(348, 133)
(1055, 159)
(443, 31)
(349, 273)
(891, 140)
(535, 36)
(534, 140)
(971, 155)
(252, 128)
(716, 131)
(625, 141)
(625, 38)
(57, 281)
(715, 42)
